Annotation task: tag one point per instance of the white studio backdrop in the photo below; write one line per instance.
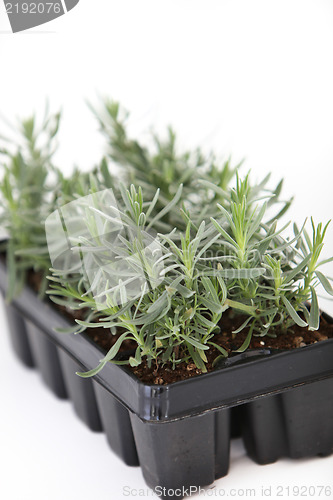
(252, 79)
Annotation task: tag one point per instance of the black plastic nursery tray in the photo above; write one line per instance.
(180, 433)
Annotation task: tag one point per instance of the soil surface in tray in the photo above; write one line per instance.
(295, 338)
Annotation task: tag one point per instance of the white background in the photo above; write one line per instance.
(249, 78)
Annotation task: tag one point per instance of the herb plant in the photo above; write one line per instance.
(234, 261)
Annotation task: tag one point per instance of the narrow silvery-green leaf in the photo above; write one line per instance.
(314, 311)
(167, 209)
(93, 372)
(215, 307)
(197, 359)
(219, 348)
(293, 314)
(194, 342)
(294, 272)
(224, 233)
(324, 281)
(256, 222)
(243, 325)
(247, 341)
(210, 289)
(284, 209)
(116, 346)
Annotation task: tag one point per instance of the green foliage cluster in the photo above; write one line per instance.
(218, 238)
(26, 186)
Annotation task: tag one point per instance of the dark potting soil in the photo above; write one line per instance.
(295, 338)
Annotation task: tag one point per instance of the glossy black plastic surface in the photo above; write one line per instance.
(81, 392)
(46, 358)
(117, 426)
(19, 337)
(188, 452)
(294, 424)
